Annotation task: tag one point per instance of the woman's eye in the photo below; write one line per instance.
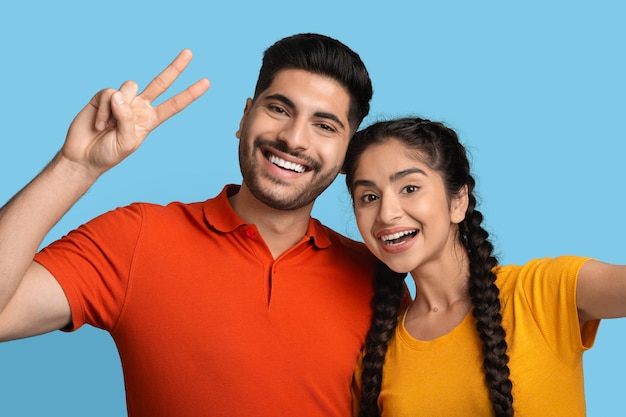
(410, 189)
(368, 198)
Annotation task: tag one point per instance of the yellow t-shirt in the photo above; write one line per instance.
(444, 377)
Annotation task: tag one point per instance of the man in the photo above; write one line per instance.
(240, 305)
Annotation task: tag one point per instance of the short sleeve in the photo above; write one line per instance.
(547, 288)
(93, 263)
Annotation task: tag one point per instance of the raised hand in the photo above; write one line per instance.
(108, 129)
(115, 123)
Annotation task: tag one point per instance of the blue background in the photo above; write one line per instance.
(536, 90)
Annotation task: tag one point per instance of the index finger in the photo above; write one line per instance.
(164, 80)
(181, 100)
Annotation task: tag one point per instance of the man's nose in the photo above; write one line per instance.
(295, 134)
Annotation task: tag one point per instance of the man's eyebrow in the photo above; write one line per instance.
(330, 116)
(283, 99)
(287, 102)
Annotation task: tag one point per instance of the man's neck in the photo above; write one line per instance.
(280, 229)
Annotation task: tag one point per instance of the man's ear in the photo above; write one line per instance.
(458, 205)
(246, 109)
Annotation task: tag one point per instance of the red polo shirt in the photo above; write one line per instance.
(206, 322)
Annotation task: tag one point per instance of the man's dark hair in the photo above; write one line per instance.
(325, 56)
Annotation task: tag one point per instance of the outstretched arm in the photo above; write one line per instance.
(601, 291)
(107, 130)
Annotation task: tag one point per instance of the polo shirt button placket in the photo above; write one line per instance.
(250, 232)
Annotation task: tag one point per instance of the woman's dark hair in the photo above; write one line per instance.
(439, 147)
(325, 56)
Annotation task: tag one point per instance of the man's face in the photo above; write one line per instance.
(293, 139)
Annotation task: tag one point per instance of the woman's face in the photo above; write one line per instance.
(402, 208)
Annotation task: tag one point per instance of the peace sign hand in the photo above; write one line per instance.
(115, 123)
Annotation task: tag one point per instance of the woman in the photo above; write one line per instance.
(479, 338)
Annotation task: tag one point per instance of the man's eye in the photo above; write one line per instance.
(327, 127)
(276, 109)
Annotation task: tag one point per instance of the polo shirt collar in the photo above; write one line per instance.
(220, 216)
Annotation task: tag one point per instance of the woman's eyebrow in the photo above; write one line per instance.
(394, 177)
(401, 174)
(363, 183)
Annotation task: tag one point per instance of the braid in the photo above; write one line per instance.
(388, 292)
(484, 294)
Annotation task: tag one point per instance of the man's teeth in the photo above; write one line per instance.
(286, 164)
(390, 240)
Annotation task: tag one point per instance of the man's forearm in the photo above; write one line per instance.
(29, 215)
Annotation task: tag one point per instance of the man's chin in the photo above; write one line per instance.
(285, 203)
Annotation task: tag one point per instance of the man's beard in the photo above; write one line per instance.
(294, 198)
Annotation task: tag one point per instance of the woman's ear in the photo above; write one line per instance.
(458, 205)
